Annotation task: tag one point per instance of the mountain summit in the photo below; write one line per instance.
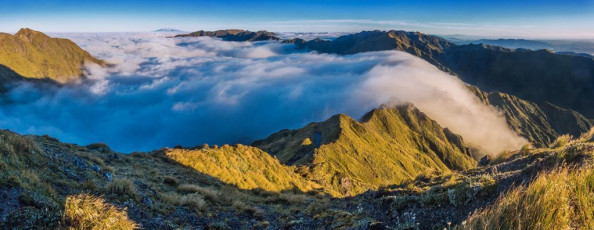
(389, 145)
(32, 54)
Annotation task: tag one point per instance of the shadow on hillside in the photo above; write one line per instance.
(159, 192)
(444, 202)
(387, 206)
(11, 78)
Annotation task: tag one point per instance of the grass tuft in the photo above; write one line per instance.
(560, 199)
(122, 187)
(561, 141)
(85, 211)
(208, 192)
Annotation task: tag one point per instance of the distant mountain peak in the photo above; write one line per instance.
(168, 30)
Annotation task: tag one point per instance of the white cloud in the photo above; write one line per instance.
(169, 91)
(442, 97)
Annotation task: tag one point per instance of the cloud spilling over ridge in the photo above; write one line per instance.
(164, 91)
(442, 97)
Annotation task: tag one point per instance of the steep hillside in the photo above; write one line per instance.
(234, 35)
(543, 188)
(428, 47)
(7, 75)
(32, 54)
(48, 184)
(389, 146)
(561, 199)
(539, 76)
(540, 124)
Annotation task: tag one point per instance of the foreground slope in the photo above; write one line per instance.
(390, 145)
(48, 184)
(32, 54)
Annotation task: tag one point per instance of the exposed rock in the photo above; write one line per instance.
(108, 176)
(485, 160)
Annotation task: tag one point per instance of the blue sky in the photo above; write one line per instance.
(487, 18)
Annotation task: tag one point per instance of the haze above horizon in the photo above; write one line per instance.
(507, 18)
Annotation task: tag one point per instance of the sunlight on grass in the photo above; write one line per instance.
(85, 211)
(561, 199)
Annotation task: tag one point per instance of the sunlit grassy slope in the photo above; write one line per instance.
(244, 166)
(88, 212)
(561, 198)
(390, 145)
(42, 179)
(33, 54)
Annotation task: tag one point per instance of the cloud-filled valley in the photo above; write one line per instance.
(188, 91)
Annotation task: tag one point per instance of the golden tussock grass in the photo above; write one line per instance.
(561, 199)
(85, 211)
(244, 166)
(561, 141)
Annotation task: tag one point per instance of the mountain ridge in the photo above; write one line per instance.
(40, 177)
(32, 54)
(492, 68)
(389, 145)
(234, 35)
(539, 76)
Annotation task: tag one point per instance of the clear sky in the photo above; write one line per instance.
(487, 18)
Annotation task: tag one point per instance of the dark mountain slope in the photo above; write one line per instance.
(428, 47)
(234, 35)
(539, 124)
(539, 76)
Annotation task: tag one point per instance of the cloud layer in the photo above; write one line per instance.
(164, 91)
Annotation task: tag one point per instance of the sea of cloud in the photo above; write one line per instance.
(165, 91)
